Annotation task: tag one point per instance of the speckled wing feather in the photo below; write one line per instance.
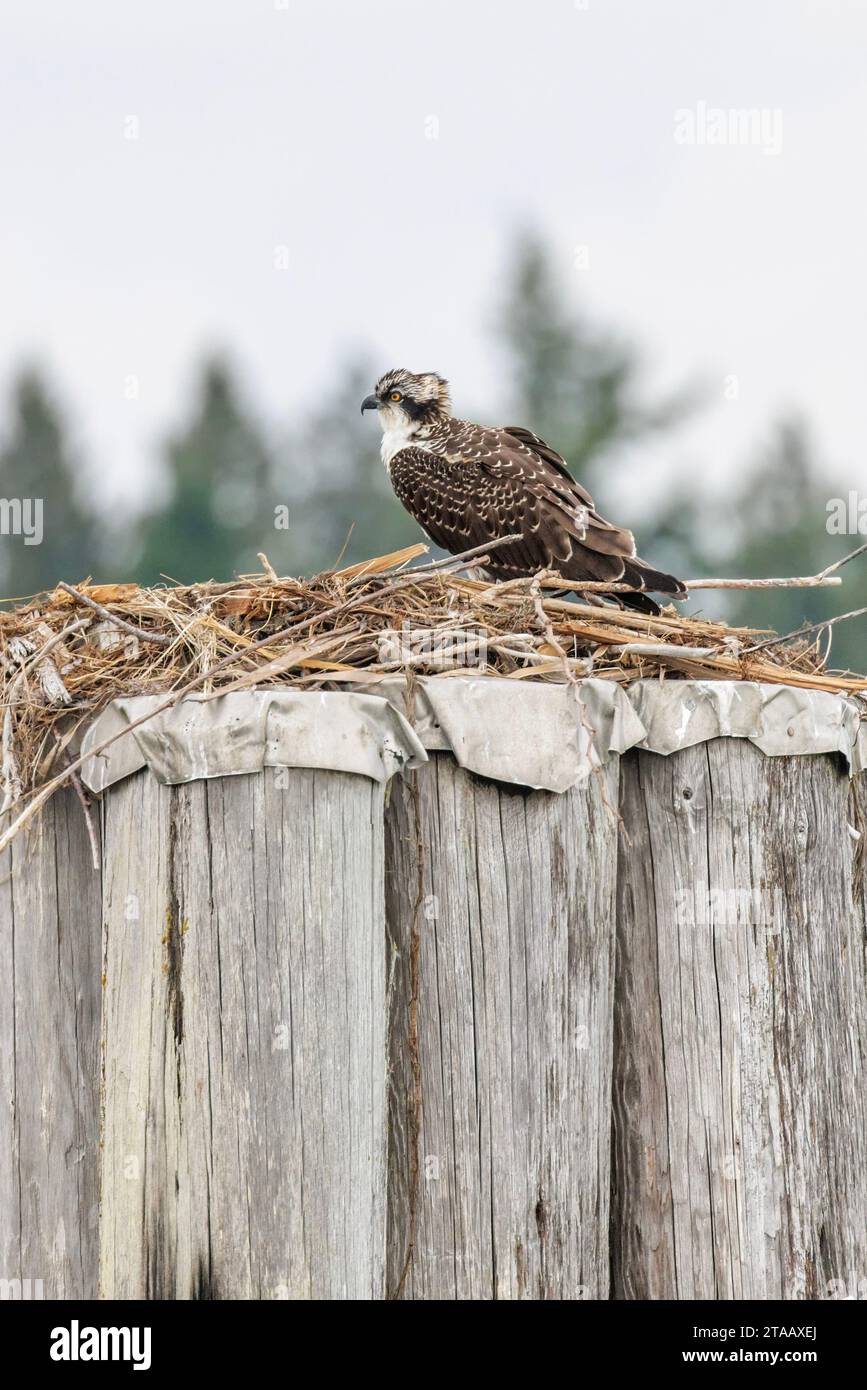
(481, 484)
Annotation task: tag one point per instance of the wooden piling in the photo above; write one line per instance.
(50, 929)
(282, 964)
(509, 1077)
(244, 1038)
(740, 1094)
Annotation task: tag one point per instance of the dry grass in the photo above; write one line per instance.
(352, 625)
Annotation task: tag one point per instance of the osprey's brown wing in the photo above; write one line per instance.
(501, 482)
(532, 444)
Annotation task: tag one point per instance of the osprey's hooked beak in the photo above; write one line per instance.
(370, 403)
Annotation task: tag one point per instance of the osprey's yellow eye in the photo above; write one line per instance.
(396, 396)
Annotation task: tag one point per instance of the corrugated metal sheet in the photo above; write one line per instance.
(534, 734)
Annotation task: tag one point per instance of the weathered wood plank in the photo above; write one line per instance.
(514, 1036)
(50, 915)
(245, 1038)
(739, 1077)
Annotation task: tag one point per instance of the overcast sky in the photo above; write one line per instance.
(156, 156)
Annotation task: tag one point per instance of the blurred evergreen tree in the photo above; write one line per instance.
(575, 384)
(220, 508)
(579, 387)
(774, 524)
(340, 501)
(37, 465)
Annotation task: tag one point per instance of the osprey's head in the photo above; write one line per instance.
(407, 400)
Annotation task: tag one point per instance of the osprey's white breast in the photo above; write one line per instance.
(396, 437)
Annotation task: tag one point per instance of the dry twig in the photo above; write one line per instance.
(157, 637)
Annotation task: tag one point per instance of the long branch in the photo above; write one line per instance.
(814, 581)
(805, 631)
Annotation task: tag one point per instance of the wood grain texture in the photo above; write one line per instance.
(515, 985)
(247, 960)
(50, 915)
(740, 1132)
(244, 1038)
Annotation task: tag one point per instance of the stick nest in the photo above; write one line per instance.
(68, 652)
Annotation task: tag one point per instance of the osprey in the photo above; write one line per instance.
(466, 484)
